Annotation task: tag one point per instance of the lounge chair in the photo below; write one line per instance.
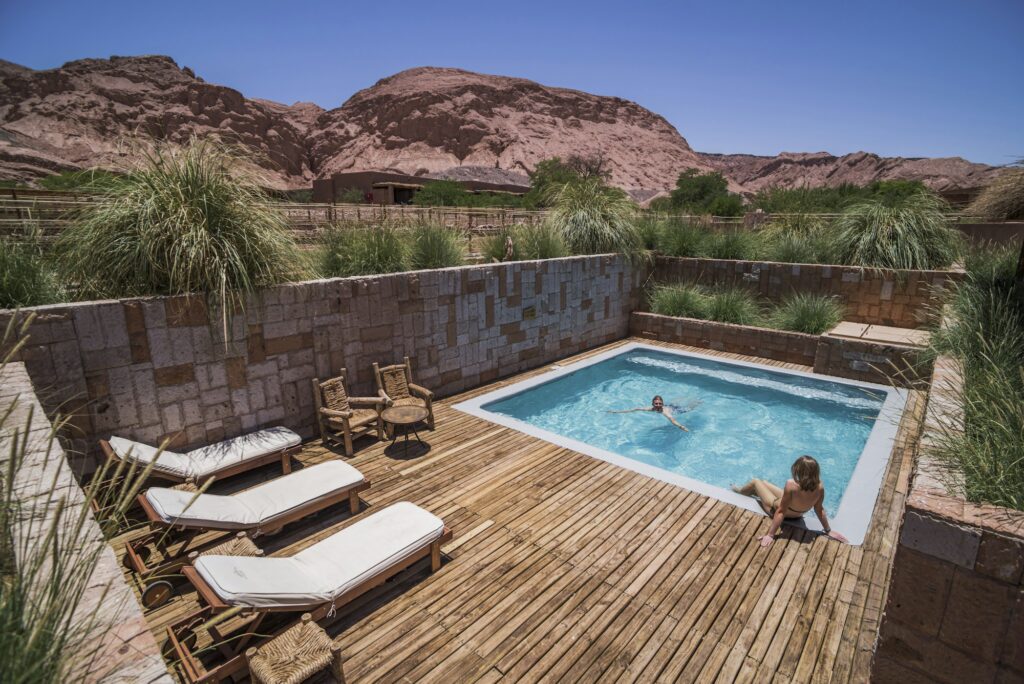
(224, 459)
(317, 580)
(263, 509)
(394, 383)
(343, 418)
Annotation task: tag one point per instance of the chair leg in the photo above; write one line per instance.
(337, 664)
(435, 556)
(348, 443)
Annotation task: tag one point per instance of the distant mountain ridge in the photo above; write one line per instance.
(425, 121)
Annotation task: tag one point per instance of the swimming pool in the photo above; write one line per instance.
(751, 421)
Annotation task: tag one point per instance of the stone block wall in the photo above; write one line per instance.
(955, 608)
(898, 298)
(154, 368)
(121, 648)
(870, 361)
(779, 345)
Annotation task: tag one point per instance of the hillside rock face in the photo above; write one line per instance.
(427, 121)
(789, 169)
(92, 112)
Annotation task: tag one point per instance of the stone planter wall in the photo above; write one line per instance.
(125, 650)
(738, 339)
(955, 611)
(899, 298)
(845, 358)
(152, 368)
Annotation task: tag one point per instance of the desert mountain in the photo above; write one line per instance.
(426, 121)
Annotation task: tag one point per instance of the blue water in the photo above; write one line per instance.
(751, 422)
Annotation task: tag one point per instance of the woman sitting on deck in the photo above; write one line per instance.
(800, 495)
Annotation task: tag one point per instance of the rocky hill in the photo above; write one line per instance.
(427, 121)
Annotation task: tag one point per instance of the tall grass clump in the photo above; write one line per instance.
(733, 305)
(495, 247)
(49, 549)
(649, 229)
(27, 276)
(806, 313)
(594, 218)
(186, 221)
(352, 251)
(1003, 198)
(733, 244)
(539, 241)
(435, 246)
(984, 455)
(682, 239)
(910, 232)
(681, 299)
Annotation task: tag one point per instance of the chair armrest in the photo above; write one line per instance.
(336, 414)
(388, 401)
(422, 391)
(367, 401)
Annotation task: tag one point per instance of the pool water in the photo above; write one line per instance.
(750, 422)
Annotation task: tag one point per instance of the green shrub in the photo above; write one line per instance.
(27, 278)
(442, 193)
(912, 232)
(182, 223)
(89, 180)
(351, 196)
(830, 200)
(594, 218)
(540, 241)
(1003, 198)
(349, 251)
(796, 249)
(807, 313)
(705, 193)
(679, 300)
(494, 247)
(733, 305)
(682, 239)
(649, 229)
(434, 246)
(732, 244)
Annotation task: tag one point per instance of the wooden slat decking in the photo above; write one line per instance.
(567, 568)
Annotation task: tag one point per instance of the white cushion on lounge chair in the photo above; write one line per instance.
(256, 507)
(329, 568)
(200, 463)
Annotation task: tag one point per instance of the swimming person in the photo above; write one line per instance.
(801, 494)
(658, 406)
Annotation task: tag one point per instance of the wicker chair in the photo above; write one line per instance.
(343, 418)
(395, 385)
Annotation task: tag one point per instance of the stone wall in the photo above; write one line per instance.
(870, 361)
(827, 355)
(955, 610)
(899, 298)
(152, 368)
(122, 649)
(779, 345)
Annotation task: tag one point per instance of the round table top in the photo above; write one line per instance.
(404, 415)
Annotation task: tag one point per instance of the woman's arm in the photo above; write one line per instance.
(630, 410)
(781, 506)
(676, 422)
(819, 510)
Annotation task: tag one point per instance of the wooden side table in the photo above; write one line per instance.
(295, 655)
(406, 418)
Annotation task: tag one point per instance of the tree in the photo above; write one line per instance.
(442, 193)
(705, 193)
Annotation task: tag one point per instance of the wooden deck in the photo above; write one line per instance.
(567, 568)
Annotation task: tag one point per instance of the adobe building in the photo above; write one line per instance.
(385, 187)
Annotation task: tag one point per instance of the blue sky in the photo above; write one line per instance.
(900, 77)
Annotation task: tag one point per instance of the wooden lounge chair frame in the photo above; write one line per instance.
(161, 534)
(234, 651)
(348, 433)
(282, 455)
(414, 390)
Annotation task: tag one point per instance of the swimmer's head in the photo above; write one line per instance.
(658, 404)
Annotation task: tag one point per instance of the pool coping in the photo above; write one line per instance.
(857, 505)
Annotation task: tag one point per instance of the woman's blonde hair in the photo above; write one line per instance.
(806, 473)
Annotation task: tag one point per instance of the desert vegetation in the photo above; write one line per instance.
(699, 194)
(1003, 199)
(354, 250)
(28, 276)
(984, 457)
(806, 313)
(830, 200)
